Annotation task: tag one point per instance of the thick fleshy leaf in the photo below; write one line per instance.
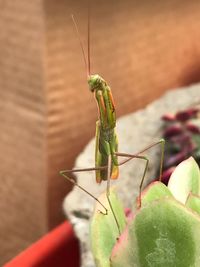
(193, 202)
(156, 190)
(162, 234)
(185, 179)
(103, 229)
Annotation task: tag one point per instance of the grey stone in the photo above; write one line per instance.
(135, 131)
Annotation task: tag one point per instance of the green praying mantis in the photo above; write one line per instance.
(106, 142)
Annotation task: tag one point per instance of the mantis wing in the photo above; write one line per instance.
(102, 150)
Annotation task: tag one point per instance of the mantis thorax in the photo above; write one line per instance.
(103, 95)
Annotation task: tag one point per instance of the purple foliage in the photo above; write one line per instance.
(182, 134)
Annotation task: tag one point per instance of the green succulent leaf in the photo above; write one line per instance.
(162, 234)
(156, 190)
(193, 202)
(185, 179)
(103, 229)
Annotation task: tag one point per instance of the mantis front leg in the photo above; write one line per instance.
(108, 193)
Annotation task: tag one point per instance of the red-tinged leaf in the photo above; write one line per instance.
(154, 191)
(162, 234)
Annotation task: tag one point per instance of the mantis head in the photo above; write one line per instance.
(95, 82)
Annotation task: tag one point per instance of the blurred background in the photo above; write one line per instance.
(47, 114)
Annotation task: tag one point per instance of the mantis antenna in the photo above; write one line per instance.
(87, 64)
(88, 35)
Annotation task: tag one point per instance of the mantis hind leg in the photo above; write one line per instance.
(161, 142)
(129, 157)
(65, 173)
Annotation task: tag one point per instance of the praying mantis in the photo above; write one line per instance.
(106, 143)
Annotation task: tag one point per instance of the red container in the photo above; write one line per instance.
(58, 248)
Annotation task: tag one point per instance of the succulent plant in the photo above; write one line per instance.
(164, 231)
(182, 135)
